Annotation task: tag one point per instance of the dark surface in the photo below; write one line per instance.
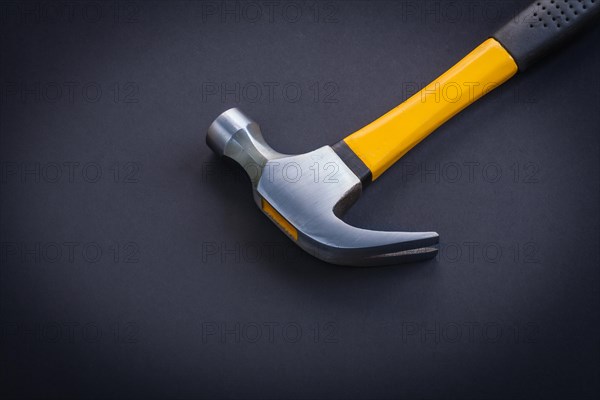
(545, 25)
(199, 271)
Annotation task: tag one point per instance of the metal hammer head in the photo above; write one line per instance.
(306, 194)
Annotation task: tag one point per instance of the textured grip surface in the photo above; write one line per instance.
(545, 25)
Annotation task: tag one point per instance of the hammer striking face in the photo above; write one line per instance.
(307, 205)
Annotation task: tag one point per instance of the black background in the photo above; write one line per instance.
(196, 293)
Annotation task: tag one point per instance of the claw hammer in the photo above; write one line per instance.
(308, 210)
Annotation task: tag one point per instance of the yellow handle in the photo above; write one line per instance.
(383, 142)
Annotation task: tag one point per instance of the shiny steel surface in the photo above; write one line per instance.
(311, 191)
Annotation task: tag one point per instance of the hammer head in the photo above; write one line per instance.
(305, 195)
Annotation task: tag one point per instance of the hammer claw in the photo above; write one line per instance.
(349, 245)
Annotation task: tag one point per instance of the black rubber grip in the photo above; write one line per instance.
(545, 25)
